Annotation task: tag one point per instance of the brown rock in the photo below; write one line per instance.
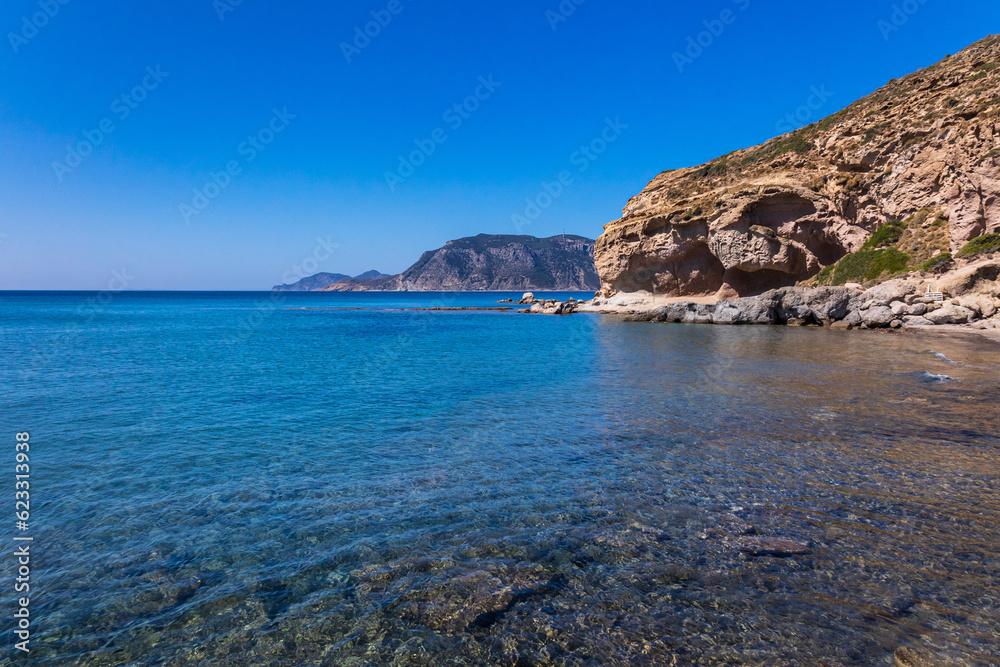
(908, 657)
(773, 215)
(771, 546)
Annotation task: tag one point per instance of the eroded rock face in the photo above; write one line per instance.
(773, 215)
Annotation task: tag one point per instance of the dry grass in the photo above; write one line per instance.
(926, 234)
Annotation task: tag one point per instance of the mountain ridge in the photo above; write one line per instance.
(489, 262)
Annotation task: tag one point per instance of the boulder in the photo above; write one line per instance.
(899, 308)
(565, 308)
(918, 309)
(749, 310)
(877, 317)
(884, 294)
(950, 314)
(812, 304)
(673, 313)
(528, 297)
(853, 318)
(978, 278)
(916, 321)
(981, 304)
(699, 313)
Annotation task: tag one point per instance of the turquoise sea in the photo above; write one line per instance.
(334, 479)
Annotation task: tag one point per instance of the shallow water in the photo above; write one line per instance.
(218, 479)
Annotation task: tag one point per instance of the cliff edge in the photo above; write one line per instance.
(924, 147)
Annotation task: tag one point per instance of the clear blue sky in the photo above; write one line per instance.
(324, 173)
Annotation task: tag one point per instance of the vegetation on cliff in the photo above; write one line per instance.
(888, 184)
(919, 243)
(981, 244)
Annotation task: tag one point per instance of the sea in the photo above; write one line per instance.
(354, 479)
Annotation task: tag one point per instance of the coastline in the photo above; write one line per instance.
(891, 306)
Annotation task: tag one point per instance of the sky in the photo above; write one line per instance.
(237, 144)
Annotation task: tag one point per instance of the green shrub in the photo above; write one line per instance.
(793, 143)
(780, 146)
(984, 243)
(828, 122)
(716, 167)
(886, 235)
(934, 263)
(866, 265)
(826, 275)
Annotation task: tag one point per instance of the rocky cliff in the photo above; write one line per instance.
(779, 213)
(494, 263)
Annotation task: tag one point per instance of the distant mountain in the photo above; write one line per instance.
(312, 283)
(491, 262)
(371, 275)
(323, 280)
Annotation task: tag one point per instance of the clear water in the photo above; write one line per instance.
(218, 479)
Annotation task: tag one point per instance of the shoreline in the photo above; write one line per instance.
(893, 305)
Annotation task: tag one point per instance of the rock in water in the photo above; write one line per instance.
(908, 657)
(771, 546)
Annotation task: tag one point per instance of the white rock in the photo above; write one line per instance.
(951, 314)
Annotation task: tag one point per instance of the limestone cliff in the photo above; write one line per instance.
(776, 214)
(493, 263)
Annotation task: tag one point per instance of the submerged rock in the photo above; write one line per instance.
(909, 657)
(771, 546)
